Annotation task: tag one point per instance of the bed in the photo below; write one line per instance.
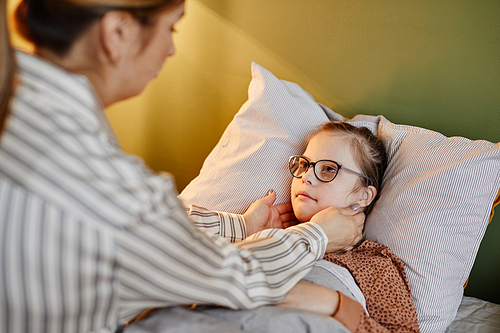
(437, 199)
(473, 316)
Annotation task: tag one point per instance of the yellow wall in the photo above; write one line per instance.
(429, 63)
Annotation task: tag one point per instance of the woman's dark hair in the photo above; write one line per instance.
(369, 152)
(56, 24)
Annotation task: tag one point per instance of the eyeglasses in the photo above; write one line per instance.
(324, 170)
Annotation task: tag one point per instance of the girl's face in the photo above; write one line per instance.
(310, 195)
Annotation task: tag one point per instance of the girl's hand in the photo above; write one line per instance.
(311, 297)
(263, 215)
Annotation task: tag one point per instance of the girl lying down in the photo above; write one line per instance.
(365, 288)
(343, 166)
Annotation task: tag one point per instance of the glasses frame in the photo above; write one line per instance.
(339, 166)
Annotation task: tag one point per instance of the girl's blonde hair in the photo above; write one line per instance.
(368, 151)
(55, 24)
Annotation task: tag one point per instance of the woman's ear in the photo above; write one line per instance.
(367, 196)
(118, 31)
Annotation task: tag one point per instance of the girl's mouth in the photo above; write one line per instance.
(304, 195)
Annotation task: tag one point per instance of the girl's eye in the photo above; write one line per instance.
(330, 168)
(303, 165)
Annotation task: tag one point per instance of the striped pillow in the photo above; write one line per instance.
(251, 156)
(435, 202)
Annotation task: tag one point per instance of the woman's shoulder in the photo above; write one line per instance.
(52, 91)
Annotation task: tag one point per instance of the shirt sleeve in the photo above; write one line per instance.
(164, 260)
(352, 315)
(227, 225)
(349, 313)
(390, 306)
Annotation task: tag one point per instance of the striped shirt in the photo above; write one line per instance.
(89, 237)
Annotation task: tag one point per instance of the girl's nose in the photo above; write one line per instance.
(308, 176)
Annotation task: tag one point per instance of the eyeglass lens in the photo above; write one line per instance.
(323, 170)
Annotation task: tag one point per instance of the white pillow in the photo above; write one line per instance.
(435, 201)
(252, 155)
(435, 204)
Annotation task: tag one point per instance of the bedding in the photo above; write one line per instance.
(476, 316)
(436, 198)
(213, 320)
(261, 320)
(473, 316)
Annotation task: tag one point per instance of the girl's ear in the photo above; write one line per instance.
(367, 196)
(118, 29)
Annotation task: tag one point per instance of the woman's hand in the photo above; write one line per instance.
(344, 228)
(263, 215)
(311, 297)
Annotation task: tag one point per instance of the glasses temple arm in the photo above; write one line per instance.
(359, 174)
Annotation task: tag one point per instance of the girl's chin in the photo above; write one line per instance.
(303, 217)
(301, 213)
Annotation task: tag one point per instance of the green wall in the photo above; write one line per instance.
(432, 63)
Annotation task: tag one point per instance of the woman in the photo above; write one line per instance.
(90, 236)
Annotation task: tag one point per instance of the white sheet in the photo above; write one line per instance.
(346, 278)
(476, 316)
